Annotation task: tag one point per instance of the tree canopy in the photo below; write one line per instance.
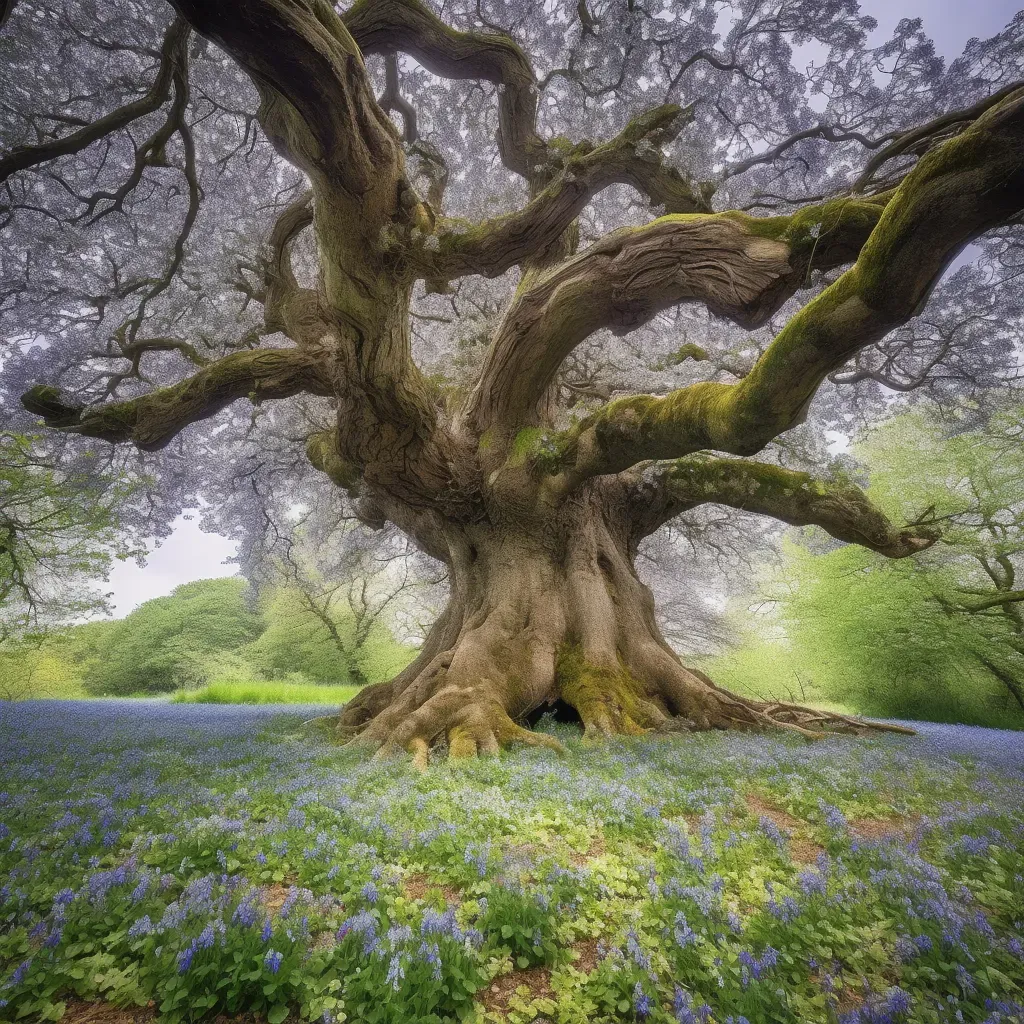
(60, 532)
(160, 646)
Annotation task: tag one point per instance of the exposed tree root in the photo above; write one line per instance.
(525, 630)
(479, 719)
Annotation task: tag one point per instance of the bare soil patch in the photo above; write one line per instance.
(417, 885)
(597, 848)
(497, 995)
(801, 849)
(587, 956)
(884, 828)
(76, 1011)
(273, 897)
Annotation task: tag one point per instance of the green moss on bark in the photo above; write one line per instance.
(608, 700)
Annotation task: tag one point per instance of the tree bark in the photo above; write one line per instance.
(544, 612)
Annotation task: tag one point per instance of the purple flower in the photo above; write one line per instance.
(206, 937)
(834, 818)
(898, 1001)
(773, 832)
(246, 912)
(396, 972)
(272, 961)
(641, 1002)
(19, 972)
(683, 933)
(684, 1010)
(185, 959)
(141, 889)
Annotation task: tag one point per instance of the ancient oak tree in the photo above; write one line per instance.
(534, 487)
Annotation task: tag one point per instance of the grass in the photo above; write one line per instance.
(222, 860)
(266, 693)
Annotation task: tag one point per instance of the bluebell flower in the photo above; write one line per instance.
(641, 1002)
(684, 1010)
(20, 972)
(834, 818)
(772, 831)
(272, 960)
(185, 959)
(396, 972)
(682, 932)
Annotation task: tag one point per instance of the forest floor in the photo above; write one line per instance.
(170, 862)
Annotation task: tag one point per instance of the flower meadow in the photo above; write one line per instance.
(199, 860)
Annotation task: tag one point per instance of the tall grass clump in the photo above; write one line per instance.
(269, 692)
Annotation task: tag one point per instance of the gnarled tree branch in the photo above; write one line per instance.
(173, 57)
(492, 246)
(382, 26)
(743, 268)
(995, 600)
(841, 509)
(150, 421)
(976, 180)
(907, 141)
(317, 104)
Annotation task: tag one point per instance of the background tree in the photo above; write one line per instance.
(315, 631)
(161, 645)
(60, 532)
(937, 637)
(972, 482)
(519, 469)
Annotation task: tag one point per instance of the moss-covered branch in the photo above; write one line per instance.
(324, 454)
(150, 421)
(840, 508)
(742, 268)
(959, 190)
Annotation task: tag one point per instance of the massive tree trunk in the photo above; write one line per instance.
(548, 611)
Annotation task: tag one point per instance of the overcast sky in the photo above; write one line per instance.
(189, 554)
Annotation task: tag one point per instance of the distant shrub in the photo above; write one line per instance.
(163, 644)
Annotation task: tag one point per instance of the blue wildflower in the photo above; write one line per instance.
(641, 1002)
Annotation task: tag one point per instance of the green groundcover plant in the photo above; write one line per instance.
(213, 859)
